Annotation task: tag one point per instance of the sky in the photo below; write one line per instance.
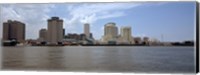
(175, 21)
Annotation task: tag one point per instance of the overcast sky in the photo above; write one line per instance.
(174, 20)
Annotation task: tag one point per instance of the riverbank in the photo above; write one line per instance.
(101, 46)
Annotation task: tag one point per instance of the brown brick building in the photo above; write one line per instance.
(14, 30)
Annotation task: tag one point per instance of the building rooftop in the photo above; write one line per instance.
(13, 21)
(55, 18)
(126, 27)
(110, 24)
(86, 24)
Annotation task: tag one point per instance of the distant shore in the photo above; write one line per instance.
(81, 44)
(99, 46)
(106, 46)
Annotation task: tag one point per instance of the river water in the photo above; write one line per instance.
(100, 59)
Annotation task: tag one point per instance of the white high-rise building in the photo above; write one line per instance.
(110, 32)
(126, 34)
(87, 30)
(55, 30)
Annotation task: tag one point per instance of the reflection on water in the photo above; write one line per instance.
(12, 57)
(100, 59)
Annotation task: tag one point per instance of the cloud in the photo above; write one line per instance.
(33, 15)
(93, 12)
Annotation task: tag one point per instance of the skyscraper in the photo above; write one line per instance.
(87, 30)
(14, 30)
(63, 32)
(126, 34)
(110, 32)
(43, 34)
(55, 30)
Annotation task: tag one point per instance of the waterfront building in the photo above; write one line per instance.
(91, 36)
(14, 30)
(43, 35)
(63, 32)
(126, 34)
(146, 40)
(55, 30)
(110, 32)
(153, 41)
(73, 36)
(87, 30)
(137, 40)
(82, 36)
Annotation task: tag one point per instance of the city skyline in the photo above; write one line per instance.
(177, 25)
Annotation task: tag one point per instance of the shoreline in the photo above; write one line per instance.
(99, 46)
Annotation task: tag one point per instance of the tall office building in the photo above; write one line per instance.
(63, 33)
(55, 30)
(14, 30)
(110, 32)
(43, 34)
(87, 30)
(126, 34)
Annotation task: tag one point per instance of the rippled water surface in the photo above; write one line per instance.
(100, 59)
